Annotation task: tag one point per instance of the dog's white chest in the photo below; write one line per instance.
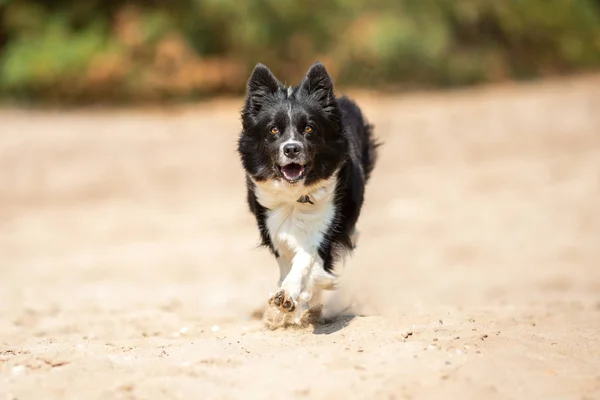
(296, 226)
(292, 224)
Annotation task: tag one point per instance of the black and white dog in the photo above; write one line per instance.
(307, 157)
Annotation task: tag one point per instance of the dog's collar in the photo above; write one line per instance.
(305, 199)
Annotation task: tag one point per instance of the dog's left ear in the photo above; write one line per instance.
(318, 85)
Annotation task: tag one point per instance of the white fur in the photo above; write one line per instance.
(297, 231)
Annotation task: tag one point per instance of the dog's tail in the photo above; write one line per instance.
(363, 135)
(369, 151)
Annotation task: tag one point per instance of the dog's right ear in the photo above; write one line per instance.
(261, 84)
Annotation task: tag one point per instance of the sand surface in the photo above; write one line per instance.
(129, 267)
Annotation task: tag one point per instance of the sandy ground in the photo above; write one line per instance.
(129, 267)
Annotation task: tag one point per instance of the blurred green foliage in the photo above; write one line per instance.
(92, 50)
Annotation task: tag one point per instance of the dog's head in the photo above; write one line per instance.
(292, 134)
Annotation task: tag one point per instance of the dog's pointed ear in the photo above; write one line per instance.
(317, 84)
(261, 85)
(262, 81)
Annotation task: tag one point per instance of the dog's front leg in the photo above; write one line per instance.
(285, 265)
(302, 286)
(294, 291)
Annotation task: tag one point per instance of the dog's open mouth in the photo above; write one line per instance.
(292, 172)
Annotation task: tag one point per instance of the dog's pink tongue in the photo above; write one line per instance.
(292, 171)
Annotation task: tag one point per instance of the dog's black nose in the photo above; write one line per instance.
(291, 150)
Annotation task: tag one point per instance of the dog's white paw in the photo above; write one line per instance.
(283, 301)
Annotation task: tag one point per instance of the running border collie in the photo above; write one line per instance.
(307, 155)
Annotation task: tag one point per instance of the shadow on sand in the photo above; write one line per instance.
(332, 325)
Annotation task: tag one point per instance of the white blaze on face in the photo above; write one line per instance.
(292, 165)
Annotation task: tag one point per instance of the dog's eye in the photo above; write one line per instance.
(308, 129)
(274, 130)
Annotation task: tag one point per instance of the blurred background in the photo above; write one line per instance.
(129, 265)
(112, 50)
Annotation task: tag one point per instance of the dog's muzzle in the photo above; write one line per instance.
(292, 160)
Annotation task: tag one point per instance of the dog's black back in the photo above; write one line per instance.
(352, 179)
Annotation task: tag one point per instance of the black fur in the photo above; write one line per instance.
(340, 139)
